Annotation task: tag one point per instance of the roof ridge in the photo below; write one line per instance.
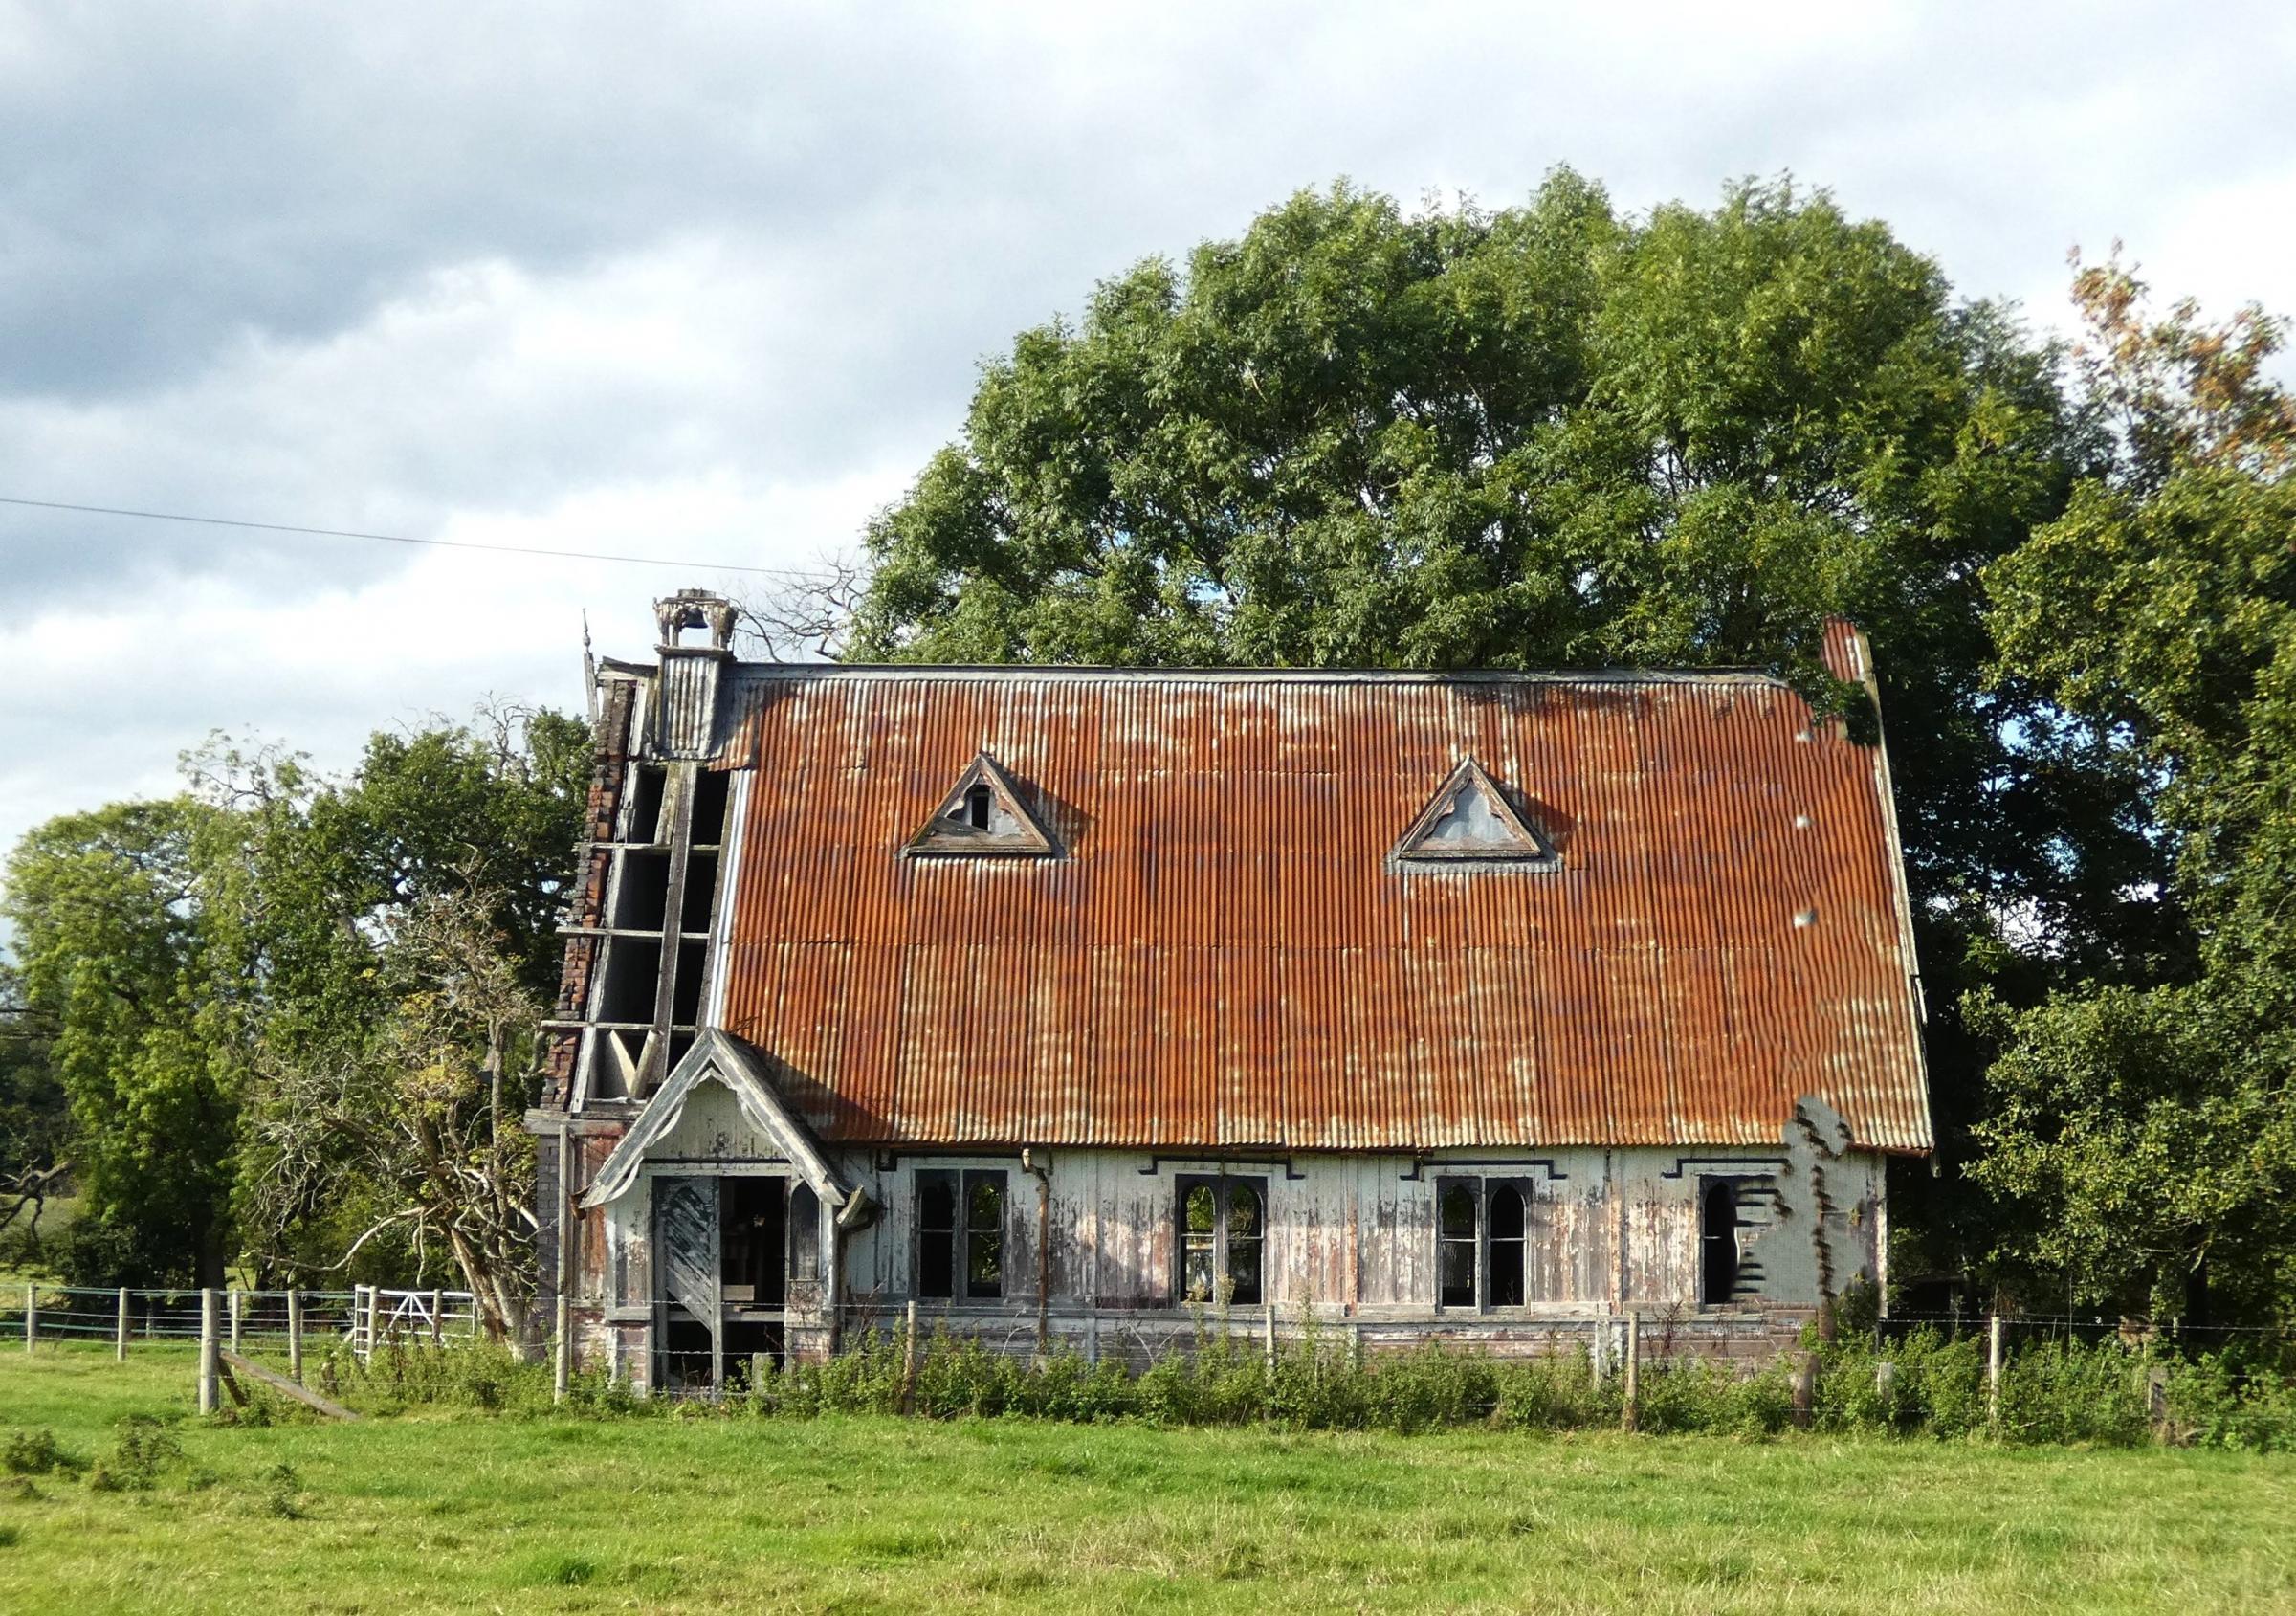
(1064, 671)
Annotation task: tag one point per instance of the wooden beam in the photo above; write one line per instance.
(279, 1383)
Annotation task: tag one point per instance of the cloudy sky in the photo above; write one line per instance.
(709, 283)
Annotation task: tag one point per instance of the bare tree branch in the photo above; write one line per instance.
(800, 619)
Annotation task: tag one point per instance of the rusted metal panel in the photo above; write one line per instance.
(1222, 957)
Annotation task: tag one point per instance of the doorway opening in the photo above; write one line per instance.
(724, 1249)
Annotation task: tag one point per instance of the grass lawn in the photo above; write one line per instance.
(474, 1513)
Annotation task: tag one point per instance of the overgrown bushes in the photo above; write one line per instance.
(1932, 1387)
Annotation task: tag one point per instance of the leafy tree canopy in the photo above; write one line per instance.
(201, 977)
(1553, 435)
(2146, 1137)
(114, 920)
(1541, 436)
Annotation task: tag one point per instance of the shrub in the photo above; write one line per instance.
(2234, 1399)
(283, 1493)
(34, 1452)
(2050, 1391)
(144, 1447)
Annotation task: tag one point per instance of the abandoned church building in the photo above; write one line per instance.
(1091, 1007)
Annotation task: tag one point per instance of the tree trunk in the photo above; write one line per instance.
(211, 1258)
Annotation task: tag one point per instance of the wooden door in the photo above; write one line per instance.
(686, 1257)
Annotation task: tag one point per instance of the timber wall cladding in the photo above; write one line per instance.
(1358, 1232)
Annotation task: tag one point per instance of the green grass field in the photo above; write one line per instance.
(467, 1513)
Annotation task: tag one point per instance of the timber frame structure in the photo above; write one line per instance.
(1072, 1004)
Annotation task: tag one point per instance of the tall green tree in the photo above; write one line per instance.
(2146, 1133)
(1553, 436)
(292, 1016)
(33, 1118)
(114, 920)
(403, 920)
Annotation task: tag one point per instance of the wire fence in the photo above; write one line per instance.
(247, 1319)
(2086, 1329)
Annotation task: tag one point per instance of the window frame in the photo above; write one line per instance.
(1223, 1187)
(963, 1233)
(1734, 1185)
(1481, 1188)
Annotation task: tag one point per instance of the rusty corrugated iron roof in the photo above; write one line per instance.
(1223, 956)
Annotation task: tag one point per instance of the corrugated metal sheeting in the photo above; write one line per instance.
(1222, 954)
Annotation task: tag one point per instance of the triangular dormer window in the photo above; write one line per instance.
(984, 815)
(1469, 821)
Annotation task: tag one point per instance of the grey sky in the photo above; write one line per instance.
(712, 281)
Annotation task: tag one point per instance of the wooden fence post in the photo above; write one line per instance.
(438, 1328)
(1268, 1331)
(909, 1358)
(1806, 1391)
(295, 1336)
(208, 1359)
(1631, 1410)
(238, 1315)
(120, 1329)
(1992, 1367)
(562, 1346)
(31, 1316)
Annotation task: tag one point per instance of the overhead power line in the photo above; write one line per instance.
(405, 539)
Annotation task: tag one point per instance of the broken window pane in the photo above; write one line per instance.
(645, 803)
(1457, 1212)
(1505, 1287)
(1245, 1227)
(642, 896)
(985, 1234)
(701, 893)
(1222, 1228)
(693, 970)
(1199, 1237)
(709, 808)
(936, 1235)
(751, 1238)
(1717, 1241)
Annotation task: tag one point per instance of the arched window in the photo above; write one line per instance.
(804, 1232)
(1457, 1213)
(1717, 1241)
(1223, 1233)
(1482, 1245)
(1246, 1228)
(1507, 1246)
